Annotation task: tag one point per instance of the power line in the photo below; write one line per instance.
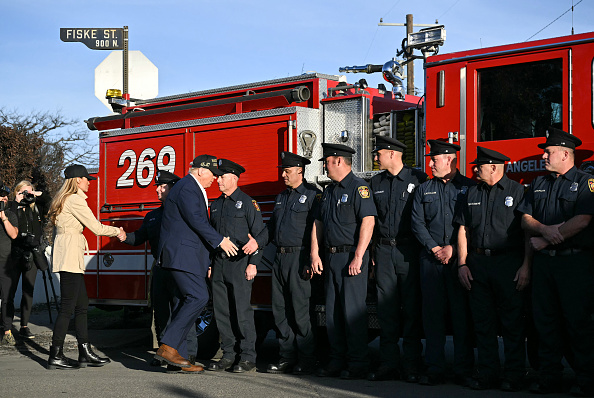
(394, 6)
(371, 44)
(446, 11)
(570, 9)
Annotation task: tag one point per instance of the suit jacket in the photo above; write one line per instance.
(186, 234)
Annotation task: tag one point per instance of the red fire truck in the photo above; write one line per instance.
(503, 98)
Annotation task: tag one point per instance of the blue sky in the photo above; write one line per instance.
(204, 44)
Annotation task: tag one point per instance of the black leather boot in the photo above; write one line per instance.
(86, 357)
(57, 360)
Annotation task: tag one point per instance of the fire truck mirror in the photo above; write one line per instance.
(308, 139)
(108, 259)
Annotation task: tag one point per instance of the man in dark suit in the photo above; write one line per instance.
(184, 248)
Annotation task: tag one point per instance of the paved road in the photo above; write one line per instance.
(23, 374)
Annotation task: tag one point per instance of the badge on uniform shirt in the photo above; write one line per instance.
(574, 187)
(238, 204)
(463, 189)
(509, 201)
(302, 199)
(591, 184)
(344, 198)
(256, 205)
(411, 187)
(318, 196)
(364, 192)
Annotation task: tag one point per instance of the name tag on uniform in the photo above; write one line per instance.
(509, 201)
(238, 204)
(377, 192)
(573, 187)
(302, 199)
(474, 204)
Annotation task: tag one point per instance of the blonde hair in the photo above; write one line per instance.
(20, 185)
(69, 187)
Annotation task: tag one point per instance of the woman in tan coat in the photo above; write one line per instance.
(70, 214)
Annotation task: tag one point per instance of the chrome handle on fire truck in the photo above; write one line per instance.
(308, 139)
(108, 259)
(389, 72)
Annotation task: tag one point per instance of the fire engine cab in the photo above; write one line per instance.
(503, 98)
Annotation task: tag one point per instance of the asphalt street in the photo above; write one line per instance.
(23, 374)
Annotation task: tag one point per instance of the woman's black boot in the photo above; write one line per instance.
(86, 357)
(57, 360)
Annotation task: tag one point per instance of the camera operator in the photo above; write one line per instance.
(8, 231)
(27, 255)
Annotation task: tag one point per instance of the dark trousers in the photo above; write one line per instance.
(563, 305)
(441, 291)
(291, 306)
(7, 288)
(399, 306)
(495, 300)
(233, 311)
(27, 292)
(73, 299)
(164, 297)
(346, 311)
(192, 297)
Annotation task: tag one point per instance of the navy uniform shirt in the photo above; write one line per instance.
(236, 216)
(293, 215)
(434, 207)
(552, 200)
(344, 205)
(393, 197)
(149, 230)
(490, 215)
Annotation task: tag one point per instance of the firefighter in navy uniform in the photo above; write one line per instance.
(289, 229)
(238, 216)
(433, 225)
(495, 268)
(346, 221)
(396, 258)
(557, 211)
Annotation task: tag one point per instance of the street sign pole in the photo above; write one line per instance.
(125, 66)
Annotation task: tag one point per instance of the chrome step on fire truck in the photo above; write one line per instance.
(501, 98)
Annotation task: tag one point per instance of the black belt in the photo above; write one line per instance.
(339, 249)
(394, 241)
(562, 252)
(289, 249)
(491, 252)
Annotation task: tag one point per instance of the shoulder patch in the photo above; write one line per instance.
(256, 205)
(591, 184)
(364, 192)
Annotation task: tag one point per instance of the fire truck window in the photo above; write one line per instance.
(520, 101)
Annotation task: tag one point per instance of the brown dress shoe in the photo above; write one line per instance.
(192, 370)
(171, 356)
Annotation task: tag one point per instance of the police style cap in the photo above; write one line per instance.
(382, 142)
(336, 150)
(77, 170)
(488, 156)
(556, 137)
(207, 162)
(289, 159)
(437, 147)
(227, 166)
(165, 177)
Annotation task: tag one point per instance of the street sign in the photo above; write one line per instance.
(144, 76)
(95, 38)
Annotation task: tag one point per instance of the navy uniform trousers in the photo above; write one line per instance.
(346, 311)
(564, 285)
(291, 306)
(397, 274)
(494, 299)
(193, 294)
(232, 307)
(442, 292)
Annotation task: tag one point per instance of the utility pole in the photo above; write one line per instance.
(410, 67)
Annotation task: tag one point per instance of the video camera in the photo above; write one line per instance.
(28, 198)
